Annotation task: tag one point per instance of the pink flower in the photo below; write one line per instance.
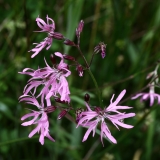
(91, 119)
(47, 42)
(46, 27)
(149, 95)
(53, 81)
(39, 117)
(41, 45)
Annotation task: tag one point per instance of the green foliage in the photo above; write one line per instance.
(131, 30)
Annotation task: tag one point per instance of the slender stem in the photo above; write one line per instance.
(87, 65)
(97, 88)
(92, 76)
(91, 59)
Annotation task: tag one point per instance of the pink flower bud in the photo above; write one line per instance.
(67, 57)
(57, 35)
(80, 70)
(62, 114)
(69, 42)
(50, 109)
(79, 28)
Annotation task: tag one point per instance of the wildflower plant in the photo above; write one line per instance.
(49, 85)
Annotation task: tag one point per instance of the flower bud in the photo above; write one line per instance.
(69, 42)
(62, 114)
(67, 57)
(80, 70)
(50, 109)
(53, 59)
(57, 35)
(79, 28)
(86, 97)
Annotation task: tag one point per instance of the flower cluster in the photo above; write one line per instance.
(49, 85)
(53, 81)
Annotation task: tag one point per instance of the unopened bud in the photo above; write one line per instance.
(62, 114)
(87, 97)
(57, 99)
(80, 70)
(57, 35)
(67, 57)
(50, 109)
(53, 59)
(79, 28)
(69, 42)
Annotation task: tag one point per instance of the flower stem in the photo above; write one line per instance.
(97, 88)
(87, 65)
(92, 76)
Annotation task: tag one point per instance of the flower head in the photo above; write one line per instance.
(53, 81)
(40, 118)
(91, 118)
(46, 27)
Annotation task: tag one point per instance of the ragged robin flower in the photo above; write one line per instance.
(40, 118)
(53, 80)
(49, 28)
(91, 118)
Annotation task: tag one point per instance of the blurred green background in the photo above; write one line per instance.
(131, 30)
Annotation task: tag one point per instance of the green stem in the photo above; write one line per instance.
(150, 134)
(97, 88)
(92, 76)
